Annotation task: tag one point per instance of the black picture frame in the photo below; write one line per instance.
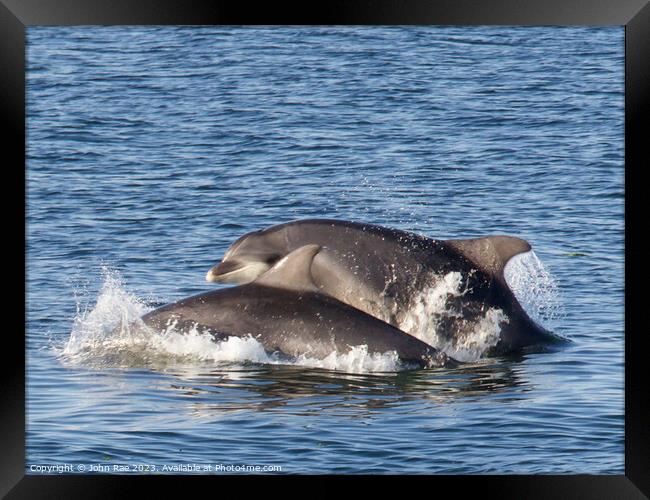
(16, 15)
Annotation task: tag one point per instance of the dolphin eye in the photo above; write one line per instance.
(272, 259)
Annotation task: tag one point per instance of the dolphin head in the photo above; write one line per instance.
(240, 271)
(249, 257)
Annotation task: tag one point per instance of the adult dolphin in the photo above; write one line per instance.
(285, 312)
(393, 275)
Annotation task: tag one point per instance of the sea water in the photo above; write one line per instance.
(151, 149)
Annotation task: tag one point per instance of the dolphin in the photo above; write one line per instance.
(285, 312)
(387, 273)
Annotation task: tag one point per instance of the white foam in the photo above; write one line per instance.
(201, 346)
(484, 334)
(111, 334)
(430, 307)
(357, 360)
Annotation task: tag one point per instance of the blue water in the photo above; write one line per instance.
(151, 149)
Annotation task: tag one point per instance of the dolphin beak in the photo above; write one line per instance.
(213, 274)
(235, 271)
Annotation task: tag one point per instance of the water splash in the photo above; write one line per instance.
(430, 307)
(110, 334)
(394, 201)
(535, 288)
(114, 306)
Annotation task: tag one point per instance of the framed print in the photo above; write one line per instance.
(394, 240)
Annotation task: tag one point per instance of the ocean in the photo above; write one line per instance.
(151, 149)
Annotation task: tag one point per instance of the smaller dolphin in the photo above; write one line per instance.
(285, 312)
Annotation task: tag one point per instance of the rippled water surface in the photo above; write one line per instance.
(151, 149)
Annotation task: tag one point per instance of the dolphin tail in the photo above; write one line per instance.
(491, 253)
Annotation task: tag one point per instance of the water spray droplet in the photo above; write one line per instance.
(535, 288)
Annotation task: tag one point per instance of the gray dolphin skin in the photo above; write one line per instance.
(285, 312)
(383, 272)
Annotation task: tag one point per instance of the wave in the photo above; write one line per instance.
(104, 334)
(110, 333)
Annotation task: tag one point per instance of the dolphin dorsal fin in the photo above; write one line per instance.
(491, 253)
(293, 271)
